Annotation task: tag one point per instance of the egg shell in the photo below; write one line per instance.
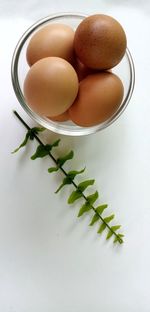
(62, 117)
(100, 42)
(51, 40)
(51, 86)
(98, 99)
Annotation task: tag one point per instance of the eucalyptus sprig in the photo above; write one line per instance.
(44, 150)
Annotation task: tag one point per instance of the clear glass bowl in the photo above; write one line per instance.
(125, 70)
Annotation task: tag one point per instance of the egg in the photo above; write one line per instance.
(51, 86)
(62, 117)
(100, 42)
(81, 70)
(51, 40)
(99, 97)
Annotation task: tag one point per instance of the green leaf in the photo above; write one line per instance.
(109, 218)
(94, 219)
(88, 204)
(66, 181)
(29, 135)
(53, 169)
(23, 143)
(92, 198)
(86, 207)
(110, 233)
(101, 228)
(101, 208)
(83, 185)
(44, 150)
(36, 130)
(55, 143)
(118, 238)
(61, 160)
(41, 151)
(115, 227)
(74, 196)
(72, 174)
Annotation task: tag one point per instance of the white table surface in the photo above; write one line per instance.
(49, 259)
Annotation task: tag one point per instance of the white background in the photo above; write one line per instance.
(49, 259)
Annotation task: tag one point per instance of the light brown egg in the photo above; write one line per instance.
(98, 99)
(51, 40)
(62, 117)
(51, 86)
(100, 42)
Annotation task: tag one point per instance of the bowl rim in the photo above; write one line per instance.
(50, 124)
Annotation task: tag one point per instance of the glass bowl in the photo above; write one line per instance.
(125, 70)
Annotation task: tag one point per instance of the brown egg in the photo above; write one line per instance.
(51, 86)
(100, 42)
(62, 117)
(81, 70)
(51, 40)
(98, 98)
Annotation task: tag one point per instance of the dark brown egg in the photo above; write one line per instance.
(100, 42)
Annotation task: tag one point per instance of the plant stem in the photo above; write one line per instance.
(120, 240)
